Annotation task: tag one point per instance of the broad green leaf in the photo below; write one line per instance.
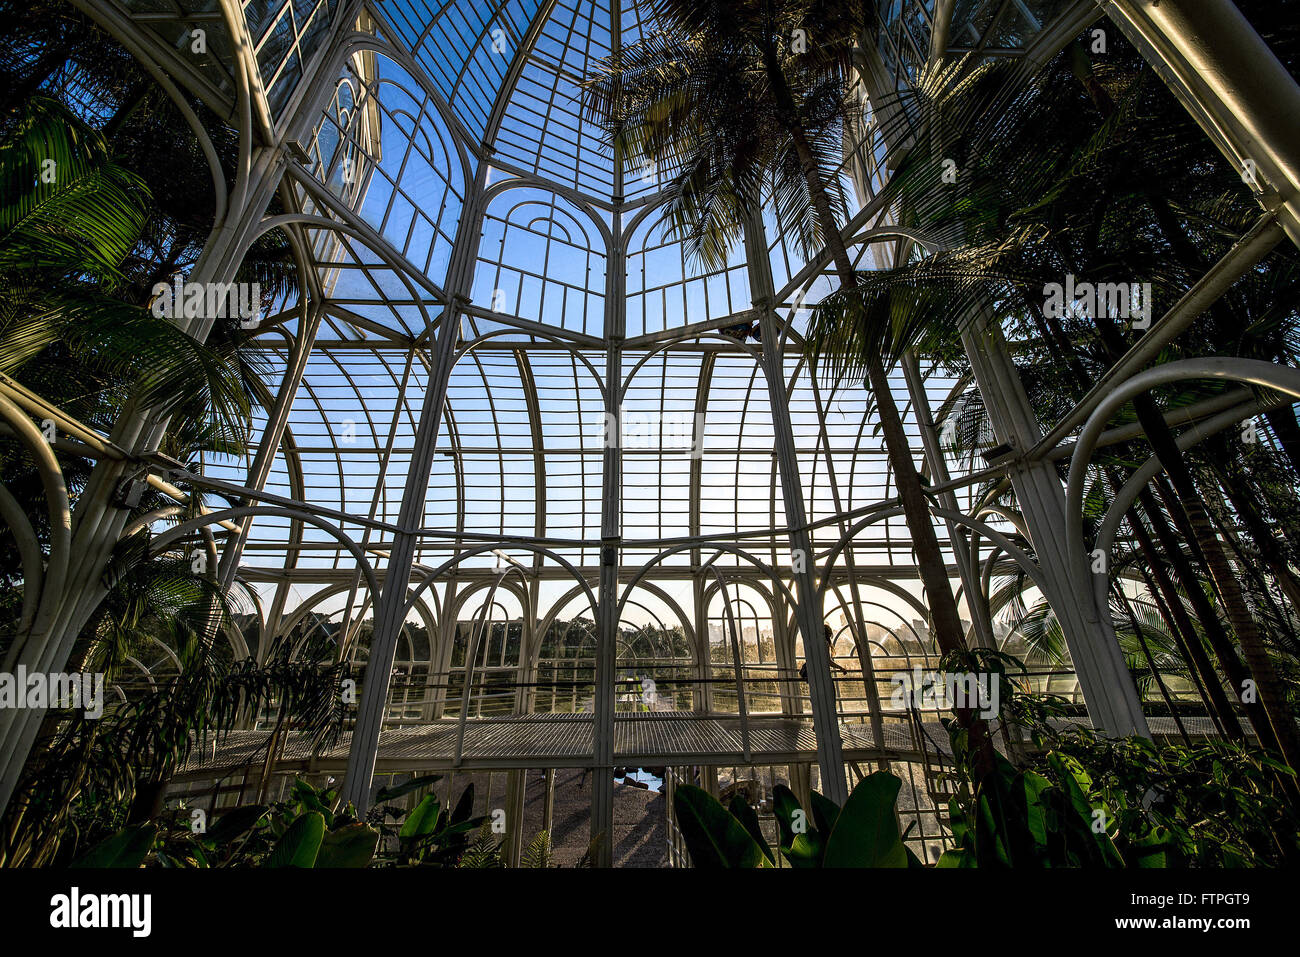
(464, 807)
(127, 848)
(713, 837)
(406, 787)
(866, 830)
(423, 820)
(235, 823)
(351, 846)
(825, 811)
(743, 813)
(300, 844)
(956, 857)
(785, 806)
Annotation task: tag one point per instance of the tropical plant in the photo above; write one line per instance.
(92, 776)
(1082, 801)
(864, 833)
(308, 830)
(69, 217)
(1120, 187)
(312, 829)
(746, 104)
(1209, 804)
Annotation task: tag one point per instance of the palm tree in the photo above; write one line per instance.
(742, 101)
(1094, 170)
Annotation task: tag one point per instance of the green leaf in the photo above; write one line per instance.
(802, 844)
(956, 857)
(300, 844)
(235, 822)
(866, 831)
(1035, 814)
(743, 813)
(825, 811)
(350, 846)
(1079, 815)
(423, 820)
(464, 807)
(784, 807)
(406, 787)
(713, 837)
(126, 849)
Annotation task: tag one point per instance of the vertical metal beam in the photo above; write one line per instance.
(277, 421)
(821, 686)
(939, 474)
(611, 519)
(1233, 85)
(611, 523)
(391, 604)
(1108, 690)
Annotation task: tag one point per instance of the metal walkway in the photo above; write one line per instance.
(565, 740)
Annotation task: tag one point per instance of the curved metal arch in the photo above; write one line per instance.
(398, 263)
(1030, 567)
(518, 182)
(693, 635)
(682, 618)
(688, 336)
(1254, 371)
(184, 528)
(455, 560)
(30, 557)
(286, 625)
(357, 42)
(895, 589)
(544, 623)
(520, 592)
(1138, 480)
(845, 610)
(713, 546)
(710, 589)
(110, 23)
(573, 349)
(60, 519)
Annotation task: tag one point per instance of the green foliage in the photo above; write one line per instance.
(864, 833)
(1020, 818)
(537, 856)
(1214, 804)
(1081, 800)
(714, 836)
(309, 829)
(127, 848)
(69, 217)
(731, 113)
(299, 845)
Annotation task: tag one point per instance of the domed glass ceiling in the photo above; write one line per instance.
(503, 390)
(461, 123)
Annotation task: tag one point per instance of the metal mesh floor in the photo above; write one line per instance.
(532, 741)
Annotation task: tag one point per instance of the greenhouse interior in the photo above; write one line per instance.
(650, 433)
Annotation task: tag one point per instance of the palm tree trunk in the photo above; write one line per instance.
(916, 510)
(1188, 513)
(1218, 638)
(1286, 428)
(1141, 637)
(1270, 691)
(1189, 642)
(1264, 540)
